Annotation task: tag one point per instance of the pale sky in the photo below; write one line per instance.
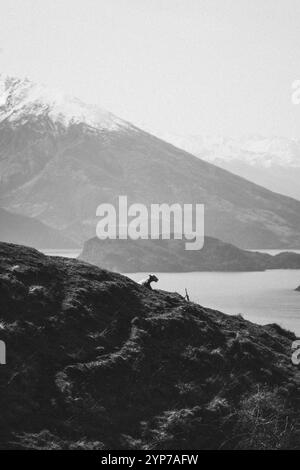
(179, 66)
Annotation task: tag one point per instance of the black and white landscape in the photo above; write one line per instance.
(61, 158)
(200, 111)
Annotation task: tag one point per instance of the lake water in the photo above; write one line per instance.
(261, 297)
(73, 253)
(276, 252)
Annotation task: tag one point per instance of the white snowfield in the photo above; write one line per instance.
(254, 150)
(20, 98)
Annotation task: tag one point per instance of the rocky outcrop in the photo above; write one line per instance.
(96, 361)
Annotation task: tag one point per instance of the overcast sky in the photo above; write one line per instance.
(179, 66)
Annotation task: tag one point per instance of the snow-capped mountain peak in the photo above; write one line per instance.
(21, 98)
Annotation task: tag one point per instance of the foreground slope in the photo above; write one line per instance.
(61, 158)
(170, 256)
(96, 361)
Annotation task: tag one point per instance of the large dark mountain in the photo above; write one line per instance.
(95, 361)
(28, 231)
(60, 158)
(170, 256)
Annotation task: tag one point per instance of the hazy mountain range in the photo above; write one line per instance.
(60, 158)
(270, 162)
(22, 230)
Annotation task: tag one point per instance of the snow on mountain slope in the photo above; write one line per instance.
(60, 158)
(22, 98)
(254, 150)
(270, 162)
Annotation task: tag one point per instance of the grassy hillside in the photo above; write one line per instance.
(96, 361)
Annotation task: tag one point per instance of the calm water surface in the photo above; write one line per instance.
(73, 253)
(261, 297)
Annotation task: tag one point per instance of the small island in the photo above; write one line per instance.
(171, 256)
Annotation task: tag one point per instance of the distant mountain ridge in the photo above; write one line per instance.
(31, 232)
(60, 159)
(254, 149)
(270, 162)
